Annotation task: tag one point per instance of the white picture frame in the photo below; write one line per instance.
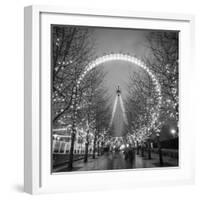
(37, 174)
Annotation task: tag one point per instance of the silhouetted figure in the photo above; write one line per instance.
(131, 155)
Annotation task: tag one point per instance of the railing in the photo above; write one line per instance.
(173, 153)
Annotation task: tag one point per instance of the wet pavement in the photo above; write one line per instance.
(116, 160)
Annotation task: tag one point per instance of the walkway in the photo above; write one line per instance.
(116, 160)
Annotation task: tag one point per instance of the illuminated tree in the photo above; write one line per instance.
(71, 49)
(94, 109)
(140, 103)
(163, 61)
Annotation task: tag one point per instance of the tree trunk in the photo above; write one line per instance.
(86, 148)
(160, 156)
(142, 150)
(98, 149)
(73, 134)
(86, 152)
(137, 148)
(94, 146)
(71, 155)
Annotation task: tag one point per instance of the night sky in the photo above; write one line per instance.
(132, 42)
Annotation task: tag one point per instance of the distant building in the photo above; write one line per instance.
(61, 142)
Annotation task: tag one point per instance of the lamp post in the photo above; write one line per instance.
(149, 149)
(142, 148)
(159, 149)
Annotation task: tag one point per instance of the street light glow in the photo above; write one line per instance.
(173, 131)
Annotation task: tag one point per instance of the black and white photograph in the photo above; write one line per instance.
(114, 98)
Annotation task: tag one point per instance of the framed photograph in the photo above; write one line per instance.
(107, 101)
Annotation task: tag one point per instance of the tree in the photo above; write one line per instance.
(72, 49)
(93, 110)
(163, 61)
(140, 104)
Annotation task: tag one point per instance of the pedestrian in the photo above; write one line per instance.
(130, 154)
(125, 153)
